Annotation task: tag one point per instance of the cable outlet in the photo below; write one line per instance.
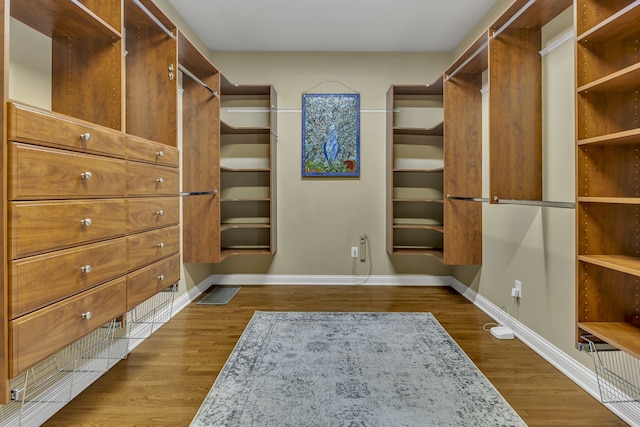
(354, 252)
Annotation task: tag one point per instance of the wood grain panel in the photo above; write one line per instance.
(201, 172)
(143, 150)
(515, 115)
(607, 171)
(151, 212)
(28, 124)
(151, 92)
(151, 180)
(148, 247)
(38, 335)
(603, 229)
(463, 169)
(37, 227)
(40, 173)
(148, 281)
(45, 279)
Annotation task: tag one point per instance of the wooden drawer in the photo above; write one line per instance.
(37, 227)
(153, 212)
(148, 281)
(145, 248)
(44, 279)
(36, 336)
(151, 180)
(144, 150)
(28, 124)
(44, 173)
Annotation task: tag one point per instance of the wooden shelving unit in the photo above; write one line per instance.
(607, 190)
(247, 169)
(415, 170)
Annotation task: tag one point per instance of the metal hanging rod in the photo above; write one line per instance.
(197, 80)
(198, 193)
(468, 199)
(469, 59)
(154, 19)
(542, 203)
(513, 18)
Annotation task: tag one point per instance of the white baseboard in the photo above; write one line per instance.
(574, 370)
(328, 280)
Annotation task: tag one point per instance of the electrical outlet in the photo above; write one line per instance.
(354, 252)
(518, 286)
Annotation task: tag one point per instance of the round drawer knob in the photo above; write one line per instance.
(160, 245)
(86, 175)
(85, 136)
(160, 213)
(161, 277)
(88, 315)
(160, 154)
(86, 222)
(160, 180)
(86, 268)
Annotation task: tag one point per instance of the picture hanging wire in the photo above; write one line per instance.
(330, 81)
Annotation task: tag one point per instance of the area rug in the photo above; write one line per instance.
(352, 370)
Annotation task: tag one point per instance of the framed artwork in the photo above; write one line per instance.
(330, 135)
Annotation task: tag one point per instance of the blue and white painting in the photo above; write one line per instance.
(330, 135)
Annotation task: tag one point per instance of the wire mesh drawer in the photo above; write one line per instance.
(618, 372)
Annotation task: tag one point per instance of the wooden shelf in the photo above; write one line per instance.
(244, 200)
(434, 131)
(625, 137)
(427, 200)
(611, 200)
(420, 170)
(418, 250)
(536, 15)
(474, 60)
(61, 19)
(226, 129)
(622, 24)
(621, 335)
(438, 228)
(193, 60)
(623, 263)
(225, 227)
(621, 81)
(228, 169)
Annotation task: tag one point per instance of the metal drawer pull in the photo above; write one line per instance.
(160, 245)
(88, 315)
(86, 175)
(160, 180)
(86, 268)
(161, 277)
(160, 213)
(85, 136)
(86, 222)
(160, 154)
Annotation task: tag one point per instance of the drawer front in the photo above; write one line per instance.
(27, 124)
(42, 173)
(38, 335)
(145, 248)
(44, 279)
(37, 227)
(143, 150)
(154, 212)
(148, 281)
(151, 180)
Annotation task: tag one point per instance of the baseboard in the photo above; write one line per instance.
(574, 370)
(328, 280)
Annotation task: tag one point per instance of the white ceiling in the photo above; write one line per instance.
(332, 25)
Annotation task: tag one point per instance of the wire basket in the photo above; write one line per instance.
(147, 317)
(618, 372)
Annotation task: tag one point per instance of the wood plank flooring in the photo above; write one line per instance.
(164, 381)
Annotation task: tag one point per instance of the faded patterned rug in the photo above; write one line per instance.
(352, 370)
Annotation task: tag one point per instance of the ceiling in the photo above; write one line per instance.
(332, 25)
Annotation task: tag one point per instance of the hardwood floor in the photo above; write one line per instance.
(166, 378)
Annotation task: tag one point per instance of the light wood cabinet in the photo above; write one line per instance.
(607, 192)
(415, 169)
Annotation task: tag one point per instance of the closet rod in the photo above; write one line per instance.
(513, 18)
(468, 199)
(198, 193)
(154, 19)
(196, 79)
(469, 59)
(542, 203)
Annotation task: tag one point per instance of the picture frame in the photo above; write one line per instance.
(331, 135)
